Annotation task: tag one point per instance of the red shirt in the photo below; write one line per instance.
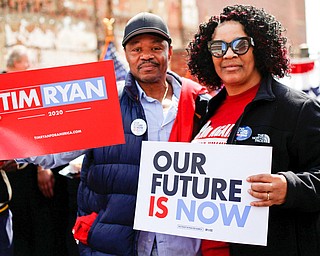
(217, 131)
(218, 128)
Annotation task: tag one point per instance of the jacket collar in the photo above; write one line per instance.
(265, 91)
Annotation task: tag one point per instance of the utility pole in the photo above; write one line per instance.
(109, 13)
(99, 24)
(181, 26)
(97, 27)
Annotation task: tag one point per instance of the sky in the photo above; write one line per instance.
(313, 21)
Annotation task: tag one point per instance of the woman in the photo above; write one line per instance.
(240, 53)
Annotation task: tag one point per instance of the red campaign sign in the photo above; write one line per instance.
(59, 109)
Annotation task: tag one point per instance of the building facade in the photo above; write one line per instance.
(63, 32)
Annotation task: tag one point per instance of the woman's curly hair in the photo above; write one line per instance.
(270, 51)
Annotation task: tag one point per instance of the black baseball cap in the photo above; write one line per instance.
(145, 23)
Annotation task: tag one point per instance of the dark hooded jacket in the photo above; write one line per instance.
(289, 122)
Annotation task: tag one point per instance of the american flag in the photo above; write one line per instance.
(110, 53)
(305, 76)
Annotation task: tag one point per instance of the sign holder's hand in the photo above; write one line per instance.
(271, 189)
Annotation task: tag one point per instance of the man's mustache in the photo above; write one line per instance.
(148, 62)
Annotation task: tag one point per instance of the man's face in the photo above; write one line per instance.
(22, 64)
(148, 57)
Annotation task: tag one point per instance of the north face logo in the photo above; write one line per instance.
(262, 138)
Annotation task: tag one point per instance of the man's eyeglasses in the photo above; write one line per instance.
(239, 46)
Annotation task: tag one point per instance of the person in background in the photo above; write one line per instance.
(241, 52)
(6, 247)
(61, 192)
(18, 59)
(40, 204)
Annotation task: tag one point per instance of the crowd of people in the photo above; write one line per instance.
(237, 55)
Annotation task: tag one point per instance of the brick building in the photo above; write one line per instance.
(62, 32)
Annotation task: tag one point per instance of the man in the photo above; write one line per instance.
(37, 199)
(6, 248)
(17, 60)
(109, 175)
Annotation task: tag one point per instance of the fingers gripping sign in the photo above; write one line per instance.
(270, 189)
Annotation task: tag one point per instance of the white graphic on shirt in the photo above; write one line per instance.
(210, 135)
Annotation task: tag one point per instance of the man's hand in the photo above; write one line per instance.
(46, 182)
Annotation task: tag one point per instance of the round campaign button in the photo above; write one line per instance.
(243, 133)
(138, 127)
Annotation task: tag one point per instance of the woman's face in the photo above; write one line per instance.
(238, 72)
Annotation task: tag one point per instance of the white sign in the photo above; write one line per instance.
(200, 191)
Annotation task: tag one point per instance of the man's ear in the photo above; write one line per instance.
(170, 52)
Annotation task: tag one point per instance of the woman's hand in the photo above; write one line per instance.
(270, 188)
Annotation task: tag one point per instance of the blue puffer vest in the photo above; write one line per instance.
(109, 180)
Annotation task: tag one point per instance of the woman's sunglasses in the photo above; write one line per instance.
(239, 46)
